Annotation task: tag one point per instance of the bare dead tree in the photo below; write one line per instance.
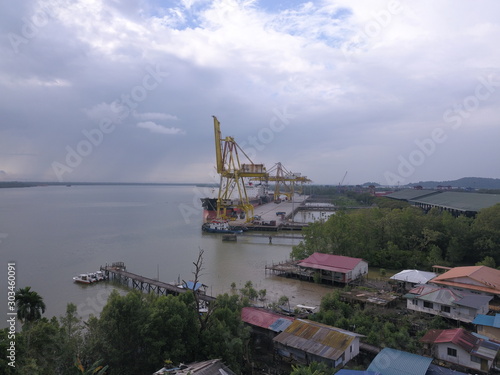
(204, 317)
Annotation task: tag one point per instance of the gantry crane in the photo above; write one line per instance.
(232, 175)
(285, 181)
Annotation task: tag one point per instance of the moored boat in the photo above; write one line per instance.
(83, 278)
(219, 226)
(89, 278)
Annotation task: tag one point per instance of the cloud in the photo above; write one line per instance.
(154, 116)
(364, 81)
(101, 111)
(156, 128)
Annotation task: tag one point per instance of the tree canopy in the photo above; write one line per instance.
(405, 237)
(30, 305)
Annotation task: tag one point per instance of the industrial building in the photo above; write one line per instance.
(455, 202)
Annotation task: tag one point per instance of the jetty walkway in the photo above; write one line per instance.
(117, 272)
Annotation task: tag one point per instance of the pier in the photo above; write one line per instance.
(275, 216)
(117, 272)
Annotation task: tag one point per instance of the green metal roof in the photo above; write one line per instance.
(396, 362)
(460, 201)
(407, 194)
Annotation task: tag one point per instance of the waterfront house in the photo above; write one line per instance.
(265, 325)
(334, 268)
(488, 325)
(305, 341)
(472, 279)
(408, 279)
(447, 303)
(460, 347)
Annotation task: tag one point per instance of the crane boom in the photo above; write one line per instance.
(232, 174)
(218, 146)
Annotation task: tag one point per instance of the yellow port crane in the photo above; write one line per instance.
(232, 175)
(285, 181)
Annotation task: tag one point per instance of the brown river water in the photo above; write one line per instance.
(53, 233)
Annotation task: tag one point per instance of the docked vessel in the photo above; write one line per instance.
(83, 278)
(219, 226)
(89, 278)
(258, 194)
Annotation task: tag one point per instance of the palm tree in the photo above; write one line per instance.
(30, 305)
(94, 369)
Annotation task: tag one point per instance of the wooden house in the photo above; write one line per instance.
(472, 279)
(305, 341)
(447, 303)
(334, 268)
(488, 325)
(460, 347)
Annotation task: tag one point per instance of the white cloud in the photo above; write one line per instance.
(103, 111)
(154, 116)
(156, 128)
(359, 82)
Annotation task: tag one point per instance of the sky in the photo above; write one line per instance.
(349, 92)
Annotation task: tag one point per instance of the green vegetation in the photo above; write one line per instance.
(398, 329)
(406, 237)
(314, 368)
(135, 334)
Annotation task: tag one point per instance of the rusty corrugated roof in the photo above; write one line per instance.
(265, 319)
(316, 338)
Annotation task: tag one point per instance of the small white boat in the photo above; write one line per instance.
(83, 278)
(100, 276)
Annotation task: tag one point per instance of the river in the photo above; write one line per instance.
(53, 233)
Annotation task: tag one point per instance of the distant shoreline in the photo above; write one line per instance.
(21, 184)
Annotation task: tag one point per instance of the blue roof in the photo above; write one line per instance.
(396, 362)
(356, 372)
(487, 320)
(280, 325)
(438, 370)
(192, 286)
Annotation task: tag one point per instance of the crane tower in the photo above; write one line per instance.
(232, 192)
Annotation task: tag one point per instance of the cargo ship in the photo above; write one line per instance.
(257, 194)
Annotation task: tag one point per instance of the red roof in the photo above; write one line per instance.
(329, 262)
(261, 318)
(466, 277)
(457, 336)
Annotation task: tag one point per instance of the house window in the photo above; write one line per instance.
(445, 309)
(428, 305)
(415, 301)
(452, 352)
(475, 359)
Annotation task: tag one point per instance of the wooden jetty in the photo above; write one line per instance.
(117, 271)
